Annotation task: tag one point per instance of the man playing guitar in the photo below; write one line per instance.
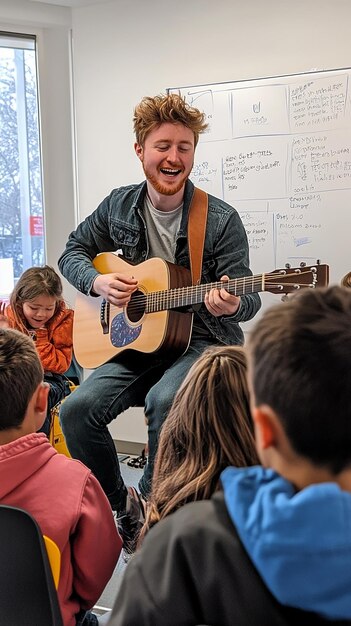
(144, 221)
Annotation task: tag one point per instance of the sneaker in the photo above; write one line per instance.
(130, 523)
(139, 462)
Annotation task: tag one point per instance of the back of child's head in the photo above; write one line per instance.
(20, 374)
(346, 280)
(33, 283)
(208, 428)
(300, 363)
(212, 410)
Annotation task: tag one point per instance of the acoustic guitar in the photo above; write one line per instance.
(157, 318)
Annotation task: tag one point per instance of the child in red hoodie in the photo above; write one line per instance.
(62, 494)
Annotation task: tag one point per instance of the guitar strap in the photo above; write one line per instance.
(196, 232)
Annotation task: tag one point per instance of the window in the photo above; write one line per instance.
(21, 198)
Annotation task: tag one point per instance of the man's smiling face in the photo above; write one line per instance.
(167, 157)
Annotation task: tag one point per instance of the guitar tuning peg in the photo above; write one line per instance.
(302, 264)
(318, 262)
(288, 266)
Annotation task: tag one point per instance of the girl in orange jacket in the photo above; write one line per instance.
(37, 309)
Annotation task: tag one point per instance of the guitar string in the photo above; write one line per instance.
(176, 295)
(182, 296)
(246, 282)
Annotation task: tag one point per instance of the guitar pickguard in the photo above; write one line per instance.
(121, 333)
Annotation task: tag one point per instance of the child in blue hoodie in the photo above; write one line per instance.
(273, 548)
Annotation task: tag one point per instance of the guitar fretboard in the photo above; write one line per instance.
(195, 294)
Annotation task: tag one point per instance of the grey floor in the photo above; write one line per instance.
(131, 476)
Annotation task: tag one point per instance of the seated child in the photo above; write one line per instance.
(274, 547)
(38, 310)
(209, 427)
(61, 494)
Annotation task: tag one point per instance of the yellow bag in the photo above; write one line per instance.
(56, 436)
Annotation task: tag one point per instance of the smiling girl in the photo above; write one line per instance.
(37, 309)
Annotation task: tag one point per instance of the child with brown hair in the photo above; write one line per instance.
(208, 428)
(38, 310)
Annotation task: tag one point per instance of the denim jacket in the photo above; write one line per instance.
(118, 223)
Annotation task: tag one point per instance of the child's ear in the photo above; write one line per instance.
(264, 421)
(41, 400)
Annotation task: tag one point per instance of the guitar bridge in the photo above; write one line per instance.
(105, 316)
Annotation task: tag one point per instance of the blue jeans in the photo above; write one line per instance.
(59, 389)
(134, 379)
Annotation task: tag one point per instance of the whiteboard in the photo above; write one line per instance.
(279, 150)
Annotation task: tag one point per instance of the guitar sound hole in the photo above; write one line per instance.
(136, 306)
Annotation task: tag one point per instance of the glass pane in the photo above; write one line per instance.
(21, 199)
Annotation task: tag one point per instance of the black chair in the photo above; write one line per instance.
(27, 590)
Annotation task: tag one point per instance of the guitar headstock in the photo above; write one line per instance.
(290, 279)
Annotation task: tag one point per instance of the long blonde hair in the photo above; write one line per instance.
(207, 429)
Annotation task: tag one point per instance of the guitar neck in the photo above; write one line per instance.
(195, 294)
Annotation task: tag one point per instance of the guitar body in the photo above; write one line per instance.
(101, 330)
